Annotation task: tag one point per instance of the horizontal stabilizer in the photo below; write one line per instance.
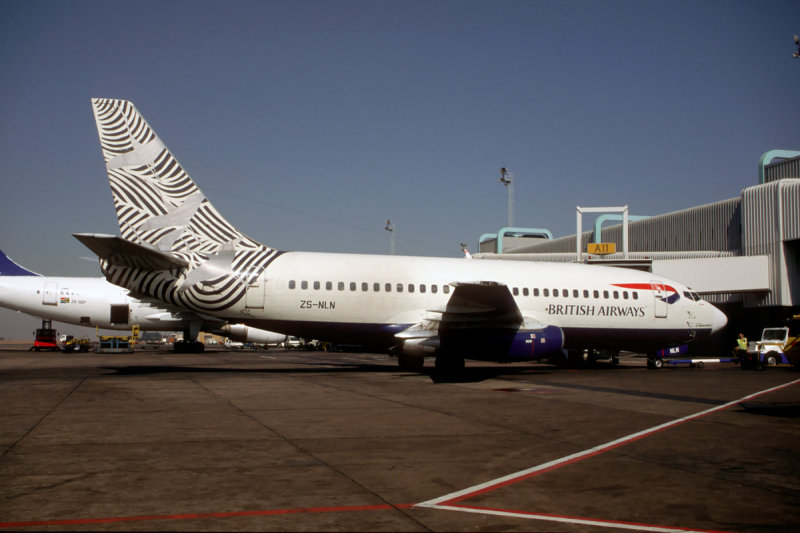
(121, 252)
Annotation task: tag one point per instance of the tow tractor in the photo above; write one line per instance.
(72, 344)
(777, 347)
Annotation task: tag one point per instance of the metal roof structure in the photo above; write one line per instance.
(743, 250)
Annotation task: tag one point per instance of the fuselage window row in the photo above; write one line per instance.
(565, 293)
(376, 287)
(434, 289)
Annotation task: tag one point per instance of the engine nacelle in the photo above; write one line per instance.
(502, 344)
(420, 347)
(536, 344)
(242, 333)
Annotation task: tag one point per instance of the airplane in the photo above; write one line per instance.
(176, 247)
(94, 302)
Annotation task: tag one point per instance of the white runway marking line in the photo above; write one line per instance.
(444, 502)
(570, 520)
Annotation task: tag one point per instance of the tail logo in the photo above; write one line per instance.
(158, 205)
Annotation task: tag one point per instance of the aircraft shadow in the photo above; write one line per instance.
(777, 409)
(470, 374)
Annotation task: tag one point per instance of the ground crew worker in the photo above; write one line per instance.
(741, 342)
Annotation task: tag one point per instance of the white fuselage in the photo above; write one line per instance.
(83, 302)
(366, 299)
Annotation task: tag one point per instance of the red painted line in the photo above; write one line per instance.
(194, 516)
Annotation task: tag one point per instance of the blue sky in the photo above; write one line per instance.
(310, 123)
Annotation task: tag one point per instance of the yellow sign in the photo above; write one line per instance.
(601, 248)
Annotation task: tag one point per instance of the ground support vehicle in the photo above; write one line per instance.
(72, 344)
(118, 343)
(679, 355)
(777, 347)
(114, 344)
(45, 337)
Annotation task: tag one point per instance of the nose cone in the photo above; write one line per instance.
(719, 321)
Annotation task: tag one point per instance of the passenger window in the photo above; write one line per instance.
(596, 294)
(585, 293)
(446, 289)
(340, 285)
(515, 291)
(575, 293)
(624, 295)
(422, 288)
(605, 294)
(536, 292)
(291, 284)
(410, 287)
(316, 285)
(328, 285)
(434, 288)
(352, 285)
(388, 287)
(555, 292)
(635, 295)
(303, 285)
(525, 291)
(546, 292)
(376, 287)
(399, 287)
(364, 286)
(616, 295)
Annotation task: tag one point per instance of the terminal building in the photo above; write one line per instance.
(741, 254)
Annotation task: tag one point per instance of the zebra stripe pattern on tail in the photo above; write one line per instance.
(158, 205)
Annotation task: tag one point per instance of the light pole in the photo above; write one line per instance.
(506, 178)
(390, 228)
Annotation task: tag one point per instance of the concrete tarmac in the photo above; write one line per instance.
(315, 441)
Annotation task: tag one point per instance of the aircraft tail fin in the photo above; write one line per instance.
(173, 242)
(9, 268)
(157, 203)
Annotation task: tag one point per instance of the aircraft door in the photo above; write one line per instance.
(50, 296)
(120, 314)
(254, 298)
(660, 299)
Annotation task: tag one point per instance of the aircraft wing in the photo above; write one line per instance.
(119, 251)
(473, 305)
(480, 320)
(480, 304)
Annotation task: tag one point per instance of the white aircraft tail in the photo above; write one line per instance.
(159, 208)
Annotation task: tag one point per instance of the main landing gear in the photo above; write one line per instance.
(189, 347)
(191, 330)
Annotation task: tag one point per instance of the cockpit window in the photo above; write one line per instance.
(693, 296)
